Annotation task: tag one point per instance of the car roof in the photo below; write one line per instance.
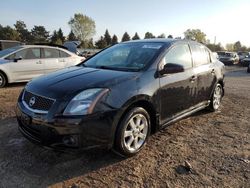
(40, 46)
(163, 40)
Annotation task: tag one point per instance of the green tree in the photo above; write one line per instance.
(195, 34)
(170, 37)
(162, 36)
(71, 36)
(60, 35)
(237, 46)
(149, 35)
(83, 27)
(39, 34)
(101, 43)
(54, 36)
(230, 47)
(136, 37)
(55, 39)
(215, 47)
(24, 34)
(107, 37)
(125, 37)
(114, 40)
(8, 33)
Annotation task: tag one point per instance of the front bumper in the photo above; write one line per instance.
(67, 133)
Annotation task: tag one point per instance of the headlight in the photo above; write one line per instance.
(84, 102)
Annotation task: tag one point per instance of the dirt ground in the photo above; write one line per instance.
(216, 145)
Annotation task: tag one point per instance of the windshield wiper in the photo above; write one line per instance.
(117, 68)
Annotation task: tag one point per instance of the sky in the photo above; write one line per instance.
(226, 20)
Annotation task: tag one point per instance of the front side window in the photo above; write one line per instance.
(51, 53)
(179, 55)
(29, 53)
(128, 56)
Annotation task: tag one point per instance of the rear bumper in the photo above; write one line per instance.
(67, 133)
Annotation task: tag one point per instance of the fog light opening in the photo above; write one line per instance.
(70, 141)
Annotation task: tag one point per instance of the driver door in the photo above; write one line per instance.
(26, 64)
(177, 90)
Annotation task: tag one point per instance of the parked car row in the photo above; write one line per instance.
(25, 62)
(233, 58)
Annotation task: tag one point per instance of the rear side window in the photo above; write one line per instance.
(200, 54)
(180, 55)
(29, 53)
(51, 53)
(63, 54)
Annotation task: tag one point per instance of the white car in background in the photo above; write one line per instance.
(22, 63)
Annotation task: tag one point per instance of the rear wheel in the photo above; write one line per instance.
(132, 132)
(3, 80)
(216, 98)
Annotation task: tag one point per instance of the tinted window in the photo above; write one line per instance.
(200, 55)
(63, 54)
(180, 55)
(51, 53)
(29, 53)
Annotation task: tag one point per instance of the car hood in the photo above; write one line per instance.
(3, 61)
(72, 80)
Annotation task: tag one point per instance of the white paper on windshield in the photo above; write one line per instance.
(152, 46)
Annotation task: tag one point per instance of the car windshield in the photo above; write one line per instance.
(229, 54)
(243, 53)
(9, 50)
(125, 56)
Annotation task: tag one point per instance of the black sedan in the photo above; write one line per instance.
(121, 95)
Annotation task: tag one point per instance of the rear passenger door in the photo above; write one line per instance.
(52, 60)
(66, 59)
(204, 69)
(177, 91)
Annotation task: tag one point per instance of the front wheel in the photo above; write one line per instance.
(3, 80)
(132, 132)
(216, 98)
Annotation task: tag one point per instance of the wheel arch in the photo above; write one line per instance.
(5, 75)
(143, 101)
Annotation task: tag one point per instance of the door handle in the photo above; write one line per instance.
(193, 78)
(38, 62)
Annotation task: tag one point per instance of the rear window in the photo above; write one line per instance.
(63, 54)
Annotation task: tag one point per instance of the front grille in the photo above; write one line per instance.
(36, 102)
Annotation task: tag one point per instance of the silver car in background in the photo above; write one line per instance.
(22, 63)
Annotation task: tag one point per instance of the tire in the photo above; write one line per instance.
(216, 98)
(133, 132)
(248, 69)
(3, 80)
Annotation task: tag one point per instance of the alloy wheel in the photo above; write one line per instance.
(135, 132)
(217, 97)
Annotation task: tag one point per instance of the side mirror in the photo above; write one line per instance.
(171, 68)
(17, 59)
